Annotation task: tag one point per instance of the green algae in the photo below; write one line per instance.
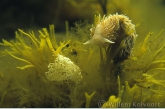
(141, 75)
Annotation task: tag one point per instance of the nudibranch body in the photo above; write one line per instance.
(111, 29)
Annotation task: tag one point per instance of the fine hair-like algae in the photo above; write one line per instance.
(30, 79)
(44, 69)
(30, 87)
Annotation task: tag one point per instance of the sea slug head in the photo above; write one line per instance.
(98, 37)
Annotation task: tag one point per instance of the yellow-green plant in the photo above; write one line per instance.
(149, 59)
(36, 52)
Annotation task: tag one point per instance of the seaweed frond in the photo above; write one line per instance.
(88, 98)
(37, 52)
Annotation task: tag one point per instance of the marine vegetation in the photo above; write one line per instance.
(112, 62)
(38, 56)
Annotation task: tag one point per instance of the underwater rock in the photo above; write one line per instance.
(63, 69)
